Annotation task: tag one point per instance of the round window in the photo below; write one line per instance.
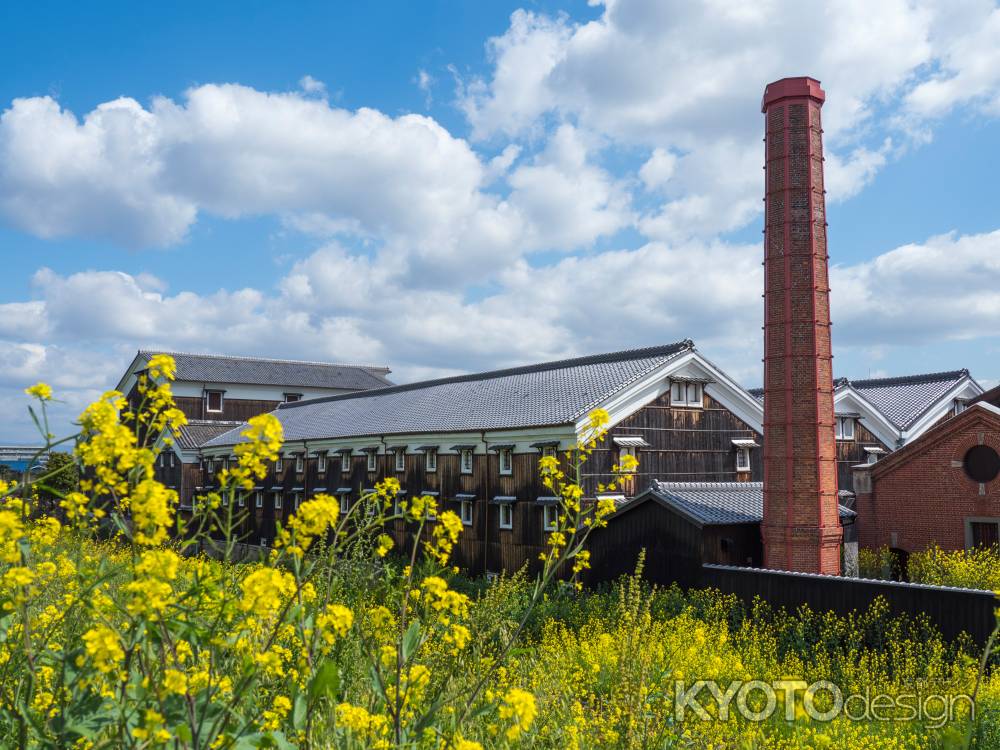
(982, 464)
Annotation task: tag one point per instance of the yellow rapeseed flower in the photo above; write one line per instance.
(41, 391)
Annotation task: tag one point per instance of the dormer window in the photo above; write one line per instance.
(213, 401)
(845, 428)
(400, 459)
(960, 406)
(685, 393)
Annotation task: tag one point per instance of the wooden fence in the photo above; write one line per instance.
(952, 610)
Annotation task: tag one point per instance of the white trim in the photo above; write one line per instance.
(847, 399)
(550, 524)
(509, 508)
(509, 454)
(743, 458)
(463, 505)
(965, 388)
(431, 461)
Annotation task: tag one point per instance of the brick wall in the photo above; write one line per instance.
(921, 495)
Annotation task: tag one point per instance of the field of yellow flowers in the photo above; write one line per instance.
(117, 630)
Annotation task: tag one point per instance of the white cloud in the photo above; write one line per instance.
(312, 86)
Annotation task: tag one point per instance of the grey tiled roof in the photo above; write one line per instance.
(902, 400)
(714, 503)
(212, 368)
(197, 432)
(552, 393)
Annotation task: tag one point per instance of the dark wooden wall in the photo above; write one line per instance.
(233, 409)
(852, 452)
(686, 445)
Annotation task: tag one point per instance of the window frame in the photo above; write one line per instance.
(291, 398)
(463, 506)
(680, 394)
(346, 459)
(372, 465)
(509, 509)
(345, 503)
(508, 454)
(400, 460)
(321, 462)
(277, 500)
(300, 463)
(461, 461)
(208, 401)
(743, 459)
(279, 464)
(431, 460)
(258, 499)
(550, 524)
(840, 433)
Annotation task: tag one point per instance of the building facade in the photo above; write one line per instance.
(474, 443)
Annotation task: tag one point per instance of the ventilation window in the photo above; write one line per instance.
(981, 464)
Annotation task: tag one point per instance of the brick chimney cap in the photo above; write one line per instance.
(792, 88)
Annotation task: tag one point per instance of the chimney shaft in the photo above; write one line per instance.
(801, 528)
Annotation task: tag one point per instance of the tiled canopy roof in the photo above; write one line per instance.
(552, 393)
(715, 503)
(197, 432)
(902, 400)
(212, 368)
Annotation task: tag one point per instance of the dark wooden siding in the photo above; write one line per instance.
(686, 445)
(233, 409)
(852, 452)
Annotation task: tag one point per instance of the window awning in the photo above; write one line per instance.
(298, 489)
(432, 493)
(319, 489)
(502, 447)
(368, 491)
(464, 496)
(426, 448)
(745, 443)
(344, 490)
(370, 449)
(630, 441)
(503, 500)
(464, 447)
(547, 500)
(874, 449)
(546, 444)
(851, 414)
(395, 448)
(344, 450)
(315, 454)
(258, 487)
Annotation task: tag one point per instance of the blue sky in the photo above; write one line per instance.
(452, 186)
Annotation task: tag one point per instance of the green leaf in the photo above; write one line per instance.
(411, 640)
(326, 681)
(299, 711)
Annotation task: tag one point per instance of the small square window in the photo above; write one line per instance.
(506, 461)
(213, 401)
(550, 517)
(345, 503)
(372, 460)
(686, 394)
(845, 428)
(258, 499)
(277, 501)
(466, 460)
(506, 516)
(431, 460)
(466, 512)
(291, 398)
(742, 459)
(401, 459)
(263, 541)
(321, 463)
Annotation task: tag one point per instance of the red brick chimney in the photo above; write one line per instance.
(801, 528)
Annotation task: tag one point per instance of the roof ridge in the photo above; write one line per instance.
(930, 377)
(592, 359)
(245, 358)
(706, 485)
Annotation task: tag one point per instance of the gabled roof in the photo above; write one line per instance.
(197, 432)
(903, 400)
(214, 368)
(713, 503)
(900, 400)
(547, 394)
